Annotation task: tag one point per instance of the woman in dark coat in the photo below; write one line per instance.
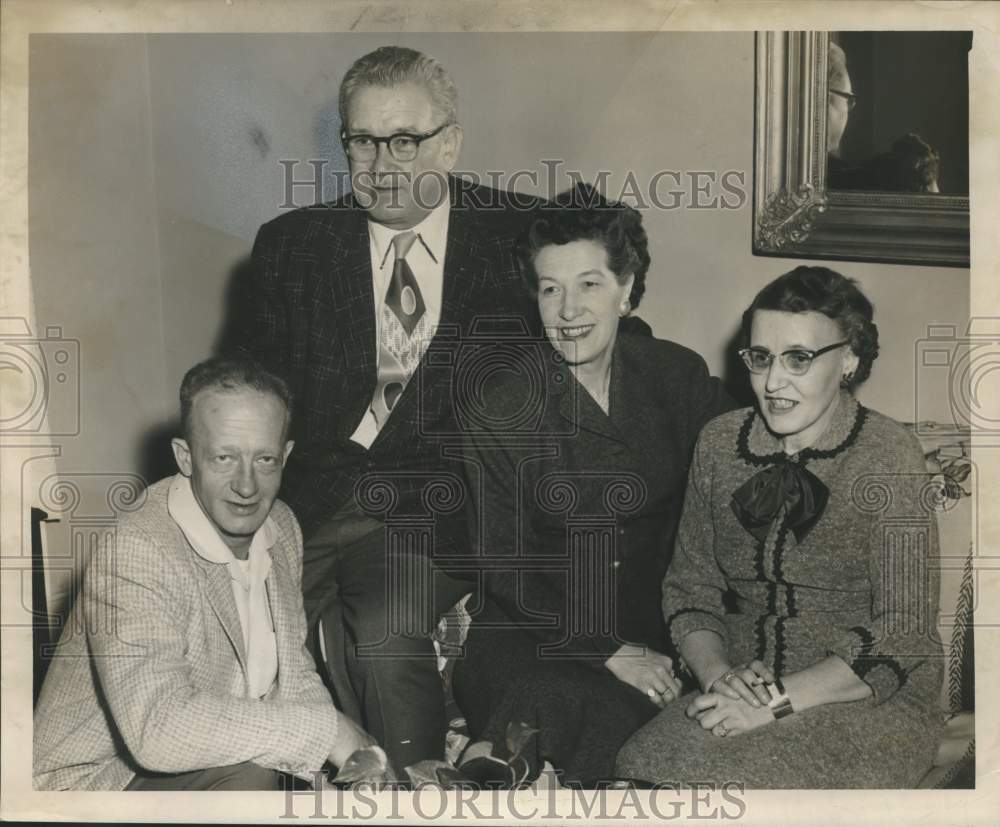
(580, 476)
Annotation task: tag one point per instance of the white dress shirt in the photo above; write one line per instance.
(426, 260)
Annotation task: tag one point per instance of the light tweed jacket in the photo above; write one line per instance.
(150, 670)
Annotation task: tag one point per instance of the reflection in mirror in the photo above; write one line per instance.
(897, 112)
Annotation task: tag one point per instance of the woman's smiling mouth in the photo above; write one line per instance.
(575, 332)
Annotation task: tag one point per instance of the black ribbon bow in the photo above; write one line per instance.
(758, 501)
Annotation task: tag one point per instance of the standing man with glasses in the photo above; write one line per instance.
(347, 298)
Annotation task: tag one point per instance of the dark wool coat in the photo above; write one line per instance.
(577, 511)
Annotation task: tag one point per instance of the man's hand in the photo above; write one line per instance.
(724, 716)
(350, 737)
(648, 671)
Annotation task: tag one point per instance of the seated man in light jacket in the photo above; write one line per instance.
(183, 666)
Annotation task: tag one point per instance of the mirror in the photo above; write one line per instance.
(898, 112)
(870, 164)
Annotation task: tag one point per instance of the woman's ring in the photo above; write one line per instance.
(721, 730)
(728, 677)
(651, 693)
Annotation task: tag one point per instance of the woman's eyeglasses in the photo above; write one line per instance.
(796, 361)
(403, 146)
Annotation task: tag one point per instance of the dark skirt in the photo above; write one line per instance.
(584, 714)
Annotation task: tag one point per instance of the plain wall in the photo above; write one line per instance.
(155, 158)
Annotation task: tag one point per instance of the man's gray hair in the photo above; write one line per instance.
(836, 67)
(393, 65)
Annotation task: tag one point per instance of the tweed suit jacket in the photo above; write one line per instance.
(312, 319)
(150, 670)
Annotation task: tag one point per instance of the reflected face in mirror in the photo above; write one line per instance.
(837, 110)
(911, 120)
(838, 105)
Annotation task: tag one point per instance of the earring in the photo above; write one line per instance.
(624, 308)
(845, 380)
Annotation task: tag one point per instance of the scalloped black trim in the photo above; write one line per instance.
(758, 562)
(779, 574)
(779, 646)
(859, 422)
(806, 454)
(673, 617)
(863, 666)
(790, 608)
(777, 556)
(743, 443)
(779, 625)
(867, 642)
(761, 634)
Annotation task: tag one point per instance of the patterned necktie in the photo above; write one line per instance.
(403, 296)
(404, 332)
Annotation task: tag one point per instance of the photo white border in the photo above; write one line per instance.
(20, 18)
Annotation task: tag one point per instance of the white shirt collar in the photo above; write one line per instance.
(185, 510)
(432, 235)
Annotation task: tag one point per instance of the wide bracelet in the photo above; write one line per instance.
(780, 704)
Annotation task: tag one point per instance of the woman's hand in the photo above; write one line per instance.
(724, 716)
(646, 670)
(744, 683)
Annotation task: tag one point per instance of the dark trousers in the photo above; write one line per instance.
(245, 776)
(375, 597)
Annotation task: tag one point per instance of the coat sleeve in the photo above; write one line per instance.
(903, 570)
(694, 585)
(134, 601)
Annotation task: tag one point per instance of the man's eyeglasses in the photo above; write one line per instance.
(403, 146)
(796, 361)
(852, 100)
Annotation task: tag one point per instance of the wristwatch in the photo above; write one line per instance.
(780, 704)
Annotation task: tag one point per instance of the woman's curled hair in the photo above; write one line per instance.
(582, 213)
(822, 290)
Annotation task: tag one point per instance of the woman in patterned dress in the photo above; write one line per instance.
(802, 596)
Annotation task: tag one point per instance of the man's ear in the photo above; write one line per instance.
(288, 449)
(452, 146)
(182, 454)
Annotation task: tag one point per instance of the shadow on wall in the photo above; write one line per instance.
(236, 308)
(156, 457)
